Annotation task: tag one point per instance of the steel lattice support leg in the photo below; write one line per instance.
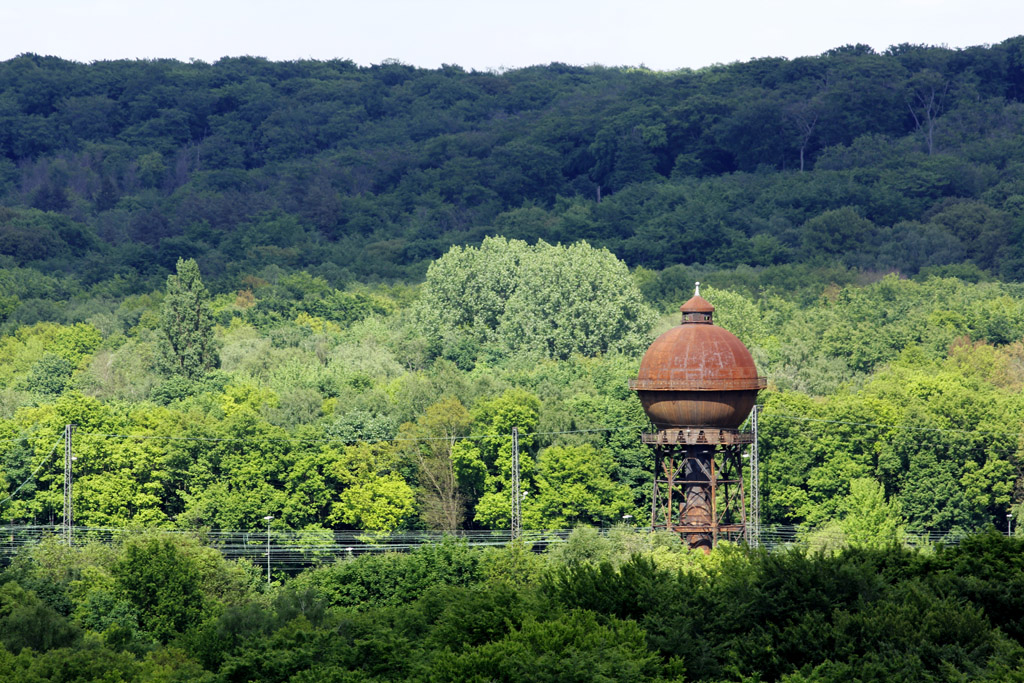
(699, 493)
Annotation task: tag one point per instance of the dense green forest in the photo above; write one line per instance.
(327, 293)
(388, 268)
(389, 411)
(621, 607)
(905, 160)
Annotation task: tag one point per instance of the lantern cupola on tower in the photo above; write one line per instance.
(697, 309)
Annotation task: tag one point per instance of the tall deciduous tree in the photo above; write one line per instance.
(575, 299)
(868, 518)
(926, 98)
(435, 433)
(163, 584)
(543, 300)
(574, 486)
(492, 452)
(188, 348)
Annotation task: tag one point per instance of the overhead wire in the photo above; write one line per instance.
(294, 550)
(479, 437)
(897, 427)
(467, 437)
(17, 438)
(781, 535)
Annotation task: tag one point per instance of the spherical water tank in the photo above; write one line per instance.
(697, 374)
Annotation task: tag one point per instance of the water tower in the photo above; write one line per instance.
(697, 383)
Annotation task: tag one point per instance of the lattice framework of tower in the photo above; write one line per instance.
(699, 489)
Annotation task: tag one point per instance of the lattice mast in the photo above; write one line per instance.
(517, 520)
(754, 523)
(67, 523)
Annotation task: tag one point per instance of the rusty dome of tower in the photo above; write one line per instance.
(697, 374)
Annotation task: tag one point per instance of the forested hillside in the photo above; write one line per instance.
(326, 294)
(390, 267)
(903, 160)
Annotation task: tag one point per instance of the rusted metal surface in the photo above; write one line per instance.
(699, 493)
(697, 383)
(682, 385)
(697, 304)
(696, 437)
(697, 374)
(711, 409)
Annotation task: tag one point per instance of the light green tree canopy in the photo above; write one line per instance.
(574, 486)
(491, 453)
(431, 440)
(544, 300)
(868, 518)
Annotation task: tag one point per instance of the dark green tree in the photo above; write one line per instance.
(163, 585)
(50, 375)
(187, 347)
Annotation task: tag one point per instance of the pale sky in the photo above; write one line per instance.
(482, 35)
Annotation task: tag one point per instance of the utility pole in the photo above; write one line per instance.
(754, 527)
(268, 519)
(517, 521)
(66, 526)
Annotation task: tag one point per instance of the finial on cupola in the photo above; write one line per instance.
(696, 290)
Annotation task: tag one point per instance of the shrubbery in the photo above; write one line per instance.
(442, 612)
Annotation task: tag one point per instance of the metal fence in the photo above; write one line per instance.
(785, 536)
(287, 550)
(295, 550)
